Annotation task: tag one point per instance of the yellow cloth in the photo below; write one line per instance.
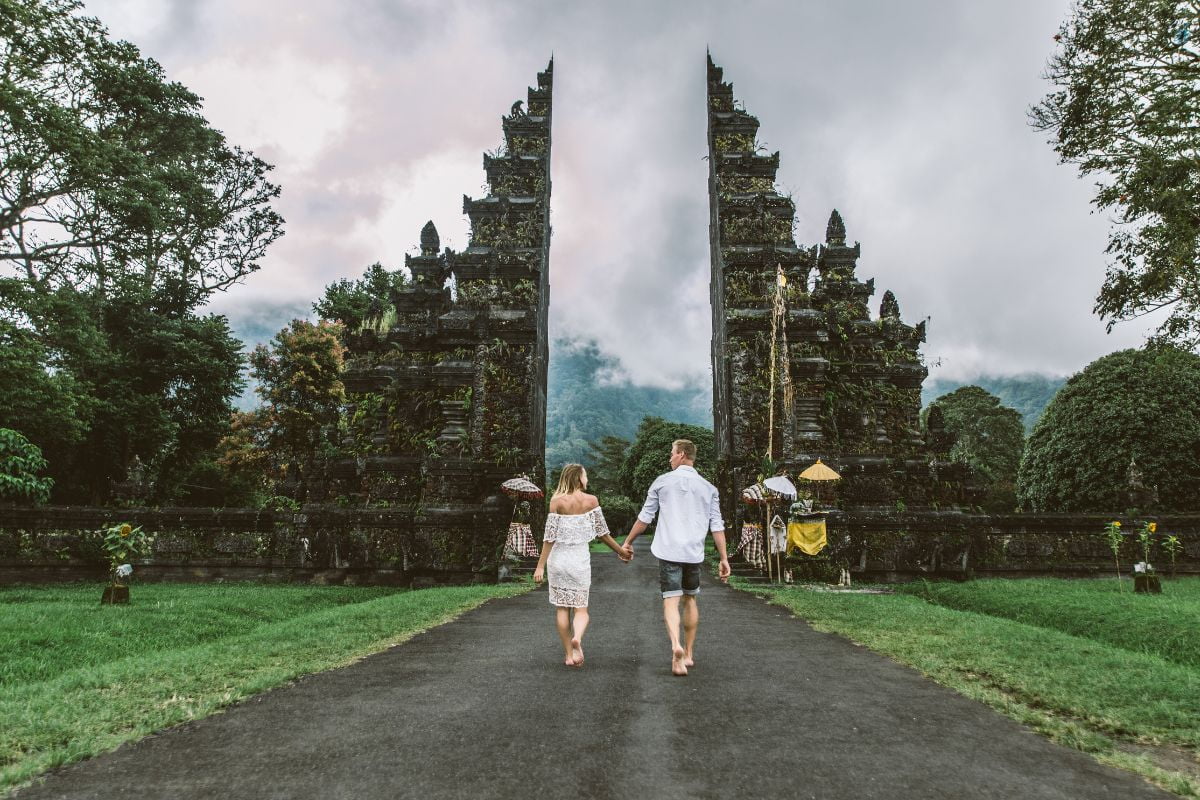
(809, 537)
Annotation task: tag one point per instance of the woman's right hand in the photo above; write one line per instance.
(538, 575)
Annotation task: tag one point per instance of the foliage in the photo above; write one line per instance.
(299, 377)
(587, 399)
(352, 302)
(1132, 404)
(1078, 689)
(1123, 110)
(111, 173)
(123, 542)
(989, 439)
(186, 652)
(604, 469)
(20, 463)
(1145, 539)
(1028, 394)
(1114, 537)
(648, 456)
(123, 211)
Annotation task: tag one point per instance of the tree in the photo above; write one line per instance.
(1132, 405)
(648, 456)
(604, 466)
(20, 463)
(121, 211)
(352, 302)
(989, 438)
(111, 176)
(1127, 74)
(299, 379)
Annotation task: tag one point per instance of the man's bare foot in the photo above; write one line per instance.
(577, 652)
(678, 666)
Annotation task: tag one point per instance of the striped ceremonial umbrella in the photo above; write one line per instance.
(522, 488)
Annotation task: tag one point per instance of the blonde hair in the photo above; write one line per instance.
(569, 480)
(685, 448)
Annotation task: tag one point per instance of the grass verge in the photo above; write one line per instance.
(1129, 709)
(1104, 610)
(77, 712)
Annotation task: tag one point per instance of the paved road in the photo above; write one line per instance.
(483, 708)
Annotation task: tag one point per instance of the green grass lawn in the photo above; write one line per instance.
(1113, 675)
(78, 679)
(1166, 625)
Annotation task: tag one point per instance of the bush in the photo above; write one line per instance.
(648, 455)
(1132, 405)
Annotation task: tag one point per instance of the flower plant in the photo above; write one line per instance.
(121, 543)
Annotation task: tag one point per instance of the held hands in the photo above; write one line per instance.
(625, 554)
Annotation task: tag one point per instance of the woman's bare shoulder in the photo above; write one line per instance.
(556, 504)
(590, 502)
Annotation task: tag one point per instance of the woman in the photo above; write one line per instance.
(574, 520)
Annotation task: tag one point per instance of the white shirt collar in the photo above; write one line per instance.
(687, 467)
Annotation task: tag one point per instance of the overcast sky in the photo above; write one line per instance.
(910, 118)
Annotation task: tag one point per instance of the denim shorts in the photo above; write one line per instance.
(675, 578)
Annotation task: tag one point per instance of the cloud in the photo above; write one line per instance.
(909, 118)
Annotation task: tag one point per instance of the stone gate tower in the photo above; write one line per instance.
(847, 386)
(448, 396)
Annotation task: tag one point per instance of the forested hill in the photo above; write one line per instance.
(1028, 394)
(583, 404)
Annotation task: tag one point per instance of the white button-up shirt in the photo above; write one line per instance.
(688, 508)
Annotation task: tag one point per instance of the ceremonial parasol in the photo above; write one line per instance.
(819, 472)
(522, 488)
(781, 486)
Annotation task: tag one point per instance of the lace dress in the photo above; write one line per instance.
(569, 566)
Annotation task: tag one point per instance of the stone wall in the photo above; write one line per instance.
(394, 546)
(882, 546)
(316, 544)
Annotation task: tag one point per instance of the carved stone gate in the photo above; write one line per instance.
(448, 396)
(843, 387)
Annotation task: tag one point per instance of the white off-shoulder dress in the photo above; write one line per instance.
(569, 566)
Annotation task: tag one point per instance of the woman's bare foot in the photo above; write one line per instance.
(577, 652)
(569, 661)
(688, 660)
(678, 667)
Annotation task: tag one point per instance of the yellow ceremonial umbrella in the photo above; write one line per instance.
(819, 472)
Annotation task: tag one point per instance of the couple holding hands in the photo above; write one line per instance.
(688, 509)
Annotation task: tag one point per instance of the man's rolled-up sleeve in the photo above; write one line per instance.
(650, 507)
(715, 523)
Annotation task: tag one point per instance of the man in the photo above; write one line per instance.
(688, 508)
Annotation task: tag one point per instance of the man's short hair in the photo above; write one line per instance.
(685, 448)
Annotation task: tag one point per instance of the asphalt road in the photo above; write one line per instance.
(483, 708)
